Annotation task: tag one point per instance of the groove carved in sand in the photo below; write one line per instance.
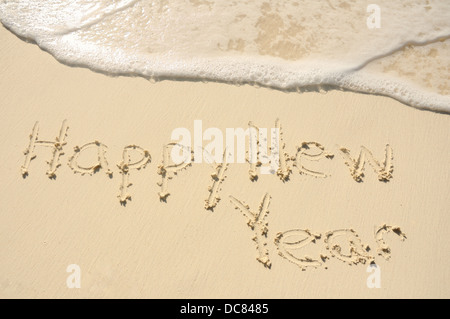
(256, 221)
(383, 248)
(302, 152)
(277, 150)
(101, 163)
(384, 171)
(358, 251)
(296, 239)
(168, 170)
(253, 156)
(126, 165)
(284, 171)
(218, 177)
(57, 151)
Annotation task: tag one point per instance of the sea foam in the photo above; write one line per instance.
(288, 45)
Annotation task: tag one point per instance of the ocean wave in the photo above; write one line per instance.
(288, 45)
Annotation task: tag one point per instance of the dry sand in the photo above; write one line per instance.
(179, 249)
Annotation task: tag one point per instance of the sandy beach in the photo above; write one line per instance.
(149, 248)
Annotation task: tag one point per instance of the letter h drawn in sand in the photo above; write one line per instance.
(257, 222)
(56, 145)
